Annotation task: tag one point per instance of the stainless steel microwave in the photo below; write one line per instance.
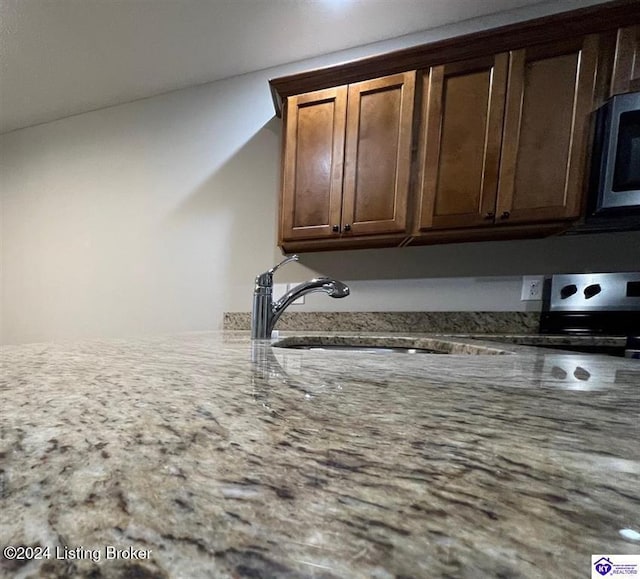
(616, 160)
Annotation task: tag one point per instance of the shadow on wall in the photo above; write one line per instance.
(233, 216)
(231, 220)
(568, 254)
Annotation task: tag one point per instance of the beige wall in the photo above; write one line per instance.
(137, 218)
(155, 216)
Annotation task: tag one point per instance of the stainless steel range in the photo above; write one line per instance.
(592, 304)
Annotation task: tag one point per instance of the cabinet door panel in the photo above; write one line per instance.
(378, 155)
(626, 70)
(460, 136)
(313, 161)
(549, 100)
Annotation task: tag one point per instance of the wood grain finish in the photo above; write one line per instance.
(503, 137)
(313, 164)
(460, 138)
(525, 231)
(626, 71)
(604, 68)
(378, 155)
(431, 237)
(556, 27)
(550, 97)
(346, 242)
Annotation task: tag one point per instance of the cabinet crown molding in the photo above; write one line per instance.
(593, 19)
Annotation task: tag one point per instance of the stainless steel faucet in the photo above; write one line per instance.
(266, 313)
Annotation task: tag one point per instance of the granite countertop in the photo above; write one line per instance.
(197, 455)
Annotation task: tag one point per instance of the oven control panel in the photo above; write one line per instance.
(593, 292)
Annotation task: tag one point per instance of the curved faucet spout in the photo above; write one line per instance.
(332, 287)
(265, 313)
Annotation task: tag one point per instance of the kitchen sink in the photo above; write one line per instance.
(387, 345)
(365, 349)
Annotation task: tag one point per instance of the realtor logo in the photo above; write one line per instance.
(612, 566)
(603, 566)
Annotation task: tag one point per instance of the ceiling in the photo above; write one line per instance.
(63, 57)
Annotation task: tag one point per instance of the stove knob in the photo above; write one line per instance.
(592, 290)
(567, 291)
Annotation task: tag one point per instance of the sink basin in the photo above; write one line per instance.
(387, 345)
(365, 349)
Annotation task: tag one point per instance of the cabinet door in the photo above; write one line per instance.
(549, 101)
(378, 155)
(460, 136)
(312, 164)
(626, 69)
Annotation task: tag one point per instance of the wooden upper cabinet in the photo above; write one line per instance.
(312, 170)
(500, 141)
(549, 102)
(626, 68)
(347, 160)
(378, 155)
(460, 137)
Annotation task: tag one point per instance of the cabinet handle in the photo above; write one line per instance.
(347, 227)
(505, 215)
(490, 215)
(336, 229)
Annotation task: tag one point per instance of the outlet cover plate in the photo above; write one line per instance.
(300, 300)
(279, 289)
(532, 288)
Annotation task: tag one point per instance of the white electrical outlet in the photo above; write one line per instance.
(279, 289)
(300, 300)
(532, 288)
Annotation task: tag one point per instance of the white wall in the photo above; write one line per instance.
(155, 216)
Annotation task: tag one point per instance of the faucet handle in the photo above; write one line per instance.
(285, 261)
(266, 279)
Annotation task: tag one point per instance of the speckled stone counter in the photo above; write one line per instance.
(451, 322)
(222, 460)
